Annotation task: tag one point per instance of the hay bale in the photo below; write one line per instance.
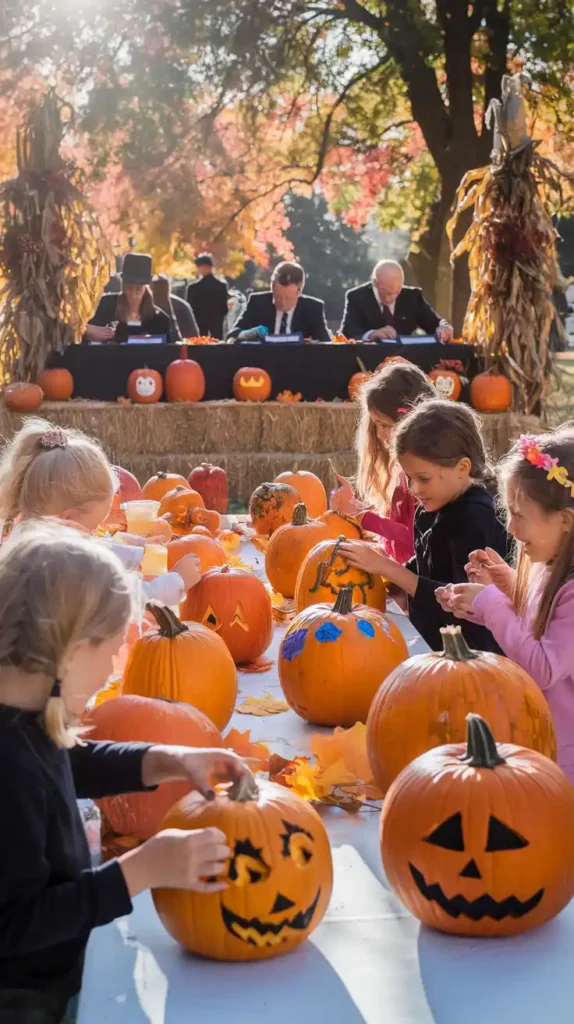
(308, 427)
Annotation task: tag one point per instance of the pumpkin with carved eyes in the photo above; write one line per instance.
(447, 383)
(325, 572)
(279, 875)
(145, 386)
(235, 605)
(250, 384)
(478, 838)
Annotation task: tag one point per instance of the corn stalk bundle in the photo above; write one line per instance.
(54, 258)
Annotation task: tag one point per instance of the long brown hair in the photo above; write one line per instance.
(147, 308)
(552, 497)
(445, 432)
(392, 390)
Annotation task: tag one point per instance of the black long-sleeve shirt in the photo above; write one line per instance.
(50, 897)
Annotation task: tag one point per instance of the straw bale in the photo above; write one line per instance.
(308, 426)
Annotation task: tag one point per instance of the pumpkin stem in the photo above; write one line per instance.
(455, 647)
(299, 515)
(344, 602)
(168, 622)
(361, 365)
(243, 790)
(183, 352)
(161, 475)
(481, 749)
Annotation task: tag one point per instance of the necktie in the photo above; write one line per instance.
(387, 316)
(283, 327)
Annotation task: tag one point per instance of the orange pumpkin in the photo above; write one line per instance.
(208, 550)
(271, 506)
(316, 653)
(145, 386)
(288, 548)
(424, 704)
(161, 484)
(478, 839)
(57, 385)
(206, 517)
(236, 606)
(250, 384)
(201, 530)
(338, 524)
(178, 501)
(23, 397)
(310, 489)
(447, 383)
(184, 380)
(490, 392)
(140, 719)
(325, 572)
(183, 662)
(356, 382)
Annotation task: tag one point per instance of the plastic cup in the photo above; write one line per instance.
(141, 516)
(154, 562)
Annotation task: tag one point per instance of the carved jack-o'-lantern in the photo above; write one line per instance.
(279, 876)
(145, 386)
(236, 605)
(250, 384)
(325, 572)
(478, 839)
(447, 383)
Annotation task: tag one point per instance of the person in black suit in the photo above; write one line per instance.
(131, 312)
(208, 298)
(384, 308)
(284, 310)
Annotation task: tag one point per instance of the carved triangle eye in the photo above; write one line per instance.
(239, 618)
(448, 835)
(501, 837)
(210, 619)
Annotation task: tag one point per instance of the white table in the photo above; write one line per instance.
(369, 960)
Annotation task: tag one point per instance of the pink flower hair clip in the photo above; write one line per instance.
(530, 450)
(54, 438)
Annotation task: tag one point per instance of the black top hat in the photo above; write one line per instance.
(137, 268)
(205, 259)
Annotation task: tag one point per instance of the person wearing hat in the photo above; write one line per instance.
(208, 298)
(177, 309)
(131, 312)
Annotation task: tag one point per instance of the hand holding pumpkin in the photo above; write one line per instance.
(202, 768)
(189, 569)
(178, 859)
(365, 556)
(458, 598)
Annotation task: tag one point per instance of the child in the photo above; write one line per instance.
(440, 450)
(387, 397)
(64, 607)
(531, 612)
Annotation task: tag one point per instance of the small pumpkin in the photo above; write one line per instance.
(235, 605)
(207, 550)
(357, 380)
(478, 838)
(211, 482)
(424, 704)
(272, 505)
(316, 653)
(141, 719)
(280, 875)
(288, 548)
(447, 383)
(490, 392)
(23, 397)
(161, 484)
(251, 384)
(145, 386)
(206, 517)
(179, 501)
(184, 380)
(183, 662)
(325, 572)
(57, 385)
(309, 488)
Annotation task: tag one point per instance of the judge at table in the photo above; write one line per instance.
(284, 309)
(208, 297)
(385, 308)
(131, 312)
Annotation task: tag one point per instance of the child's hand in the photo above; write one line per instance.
(176, 859)
(458, 598)
(131, 540)
(366, 557)
(189, 570)
(487, 567)
(343, 499)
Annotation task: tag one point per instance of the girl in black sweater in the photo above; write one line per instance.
(64, 606)
(440, 449)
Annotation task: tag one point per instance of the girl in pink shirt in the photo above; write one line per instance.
(530, 610)
(380, 484)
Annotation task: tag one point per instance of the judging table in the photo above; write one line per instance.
(368, 962)
(100, 372)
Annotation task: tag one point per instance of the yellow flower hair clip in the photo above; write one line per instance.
(531, 452)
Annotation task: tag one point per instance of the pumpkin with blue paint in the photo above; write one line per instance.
(333, 659)
(325, 572)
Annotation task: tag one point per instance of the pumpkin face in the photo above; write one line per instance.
(478, 839)
(250, 384)
(57, 385)
(317, 650)
(423, 704)
(139, 719)
(309, 488)
(183, 662)
(271, 506)
(23, 397)
(325, 572)
(447, 383)
(161, 484)
(288, 548)
(490, 392)
(235, 605)
(178, 501)
(145, 386)
(211, 482)
(280, 877)
(356, 383)
(208, 550)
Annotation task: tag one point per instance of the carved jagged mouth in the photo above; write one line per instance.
(260, 933)
(475, 910)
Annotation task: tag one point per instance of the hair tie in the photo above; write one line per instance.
(54, 438)
(56, 690)
(402, 411)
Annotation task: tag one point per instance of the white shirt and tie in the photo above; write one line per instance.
(382, 305)
(283, 321)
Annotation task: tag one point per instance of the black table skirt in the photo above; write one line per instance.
(317, 371)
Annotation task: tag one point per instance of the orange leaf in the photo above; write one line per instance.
(347, 749)
(280, 768)
(243, 745)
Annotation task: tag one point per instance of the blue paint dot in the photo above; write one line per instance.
(293, 644)
(366, 628)
(328, 633)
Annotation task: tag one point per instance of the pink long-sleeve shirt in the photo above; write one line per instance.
(549, 661)
(397, 529)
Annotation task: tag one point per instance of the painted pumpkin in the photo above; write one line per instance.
(280, 875)
(309, 488)
(250, 384)
(57, 385)
(447, 383)
(339, 524)
(145, 386)
(424, 704)
(235, 605)
(161, 484)
(23, 397)
(183, 662)
(140, 719)
(271, 506)
(211, 482)
(184, 380)
(321, 645)
(207, 549)
(491, 392)
(288, 548)
(478, 839)
(325, 572)
(179, 501)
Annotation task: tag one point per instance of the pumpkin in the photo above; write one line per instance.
(280, 875)
(250, 384)
(228, 539)
(424, 704)
(325, 572)
(129, 488)
(179, 501)
(183, 662)
(57, 385)
(490, 392)
(201, 530)
(236, 606)
(447, 383)
(478, 839)
(184, 380)
(206, 517)
(316, 653)
(130, 719)
(309, 488)
(288, 548)
(23, 397)
(356, 383)
(145, 386)
(271, 506)
(339, 524)
(207, 549)
(211, 482)
(161, 484)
